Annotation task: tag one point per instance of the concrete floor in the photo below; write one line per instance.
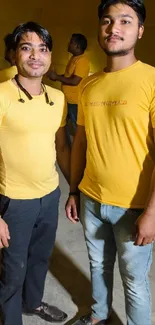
(68, 279)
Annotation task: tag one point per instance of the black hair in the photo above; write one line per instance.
(8, 42)
(137, 5)
(81, 41)
(31, 27)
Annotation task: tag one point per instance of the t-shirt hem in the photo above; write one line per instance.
(113, 203)
(62, 125)
(33, 195)
(80, 123)
(72, 101)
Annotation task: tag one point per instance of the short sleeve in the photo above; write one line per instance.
(8, 73)
(82, 67)
(64, 113)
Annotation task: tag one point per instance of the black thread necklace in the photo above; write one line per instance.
(23, 89)
(28, 95)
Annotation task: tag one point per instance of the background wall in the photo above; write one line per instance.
(64, 17)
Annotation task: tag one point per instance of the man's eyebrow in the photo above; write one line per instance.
(31, 44)
(119, 16)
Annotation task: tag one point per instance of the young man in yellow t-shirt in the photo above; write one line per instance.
(113, 159)
(77, 69)
(11, 71)
(32, 135)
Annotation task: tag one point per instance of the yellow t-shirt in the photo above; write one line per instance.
(8, 73)
(118, 112)
(27, 142)
(79, 66)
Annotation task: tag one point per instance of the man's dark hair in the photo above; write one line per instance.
(136, 5)
(81, 41)
(8, 42)
(31, 27)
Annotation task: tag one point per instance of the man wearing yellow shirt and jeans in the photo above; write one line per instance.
(32, 134)
(77, 69)
(113, 160)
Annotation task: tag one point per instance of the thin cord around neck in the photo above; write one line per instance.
(20, 87)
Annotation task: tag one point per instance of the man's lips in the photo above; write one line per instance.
(34, 65)
(114, 38)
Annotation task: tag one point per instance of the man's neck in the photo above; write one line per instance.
(116, 63)
(32, 85)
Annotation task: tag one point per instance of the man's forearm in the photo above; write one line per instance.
(150, 208)
(63, 159)
(70, 81)
(78, 163)
(66, 81)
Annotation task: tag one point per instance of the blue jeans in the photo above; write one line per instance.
(72, 114)
(108, 229)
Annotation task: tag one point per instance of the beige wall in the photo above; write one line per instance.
(64, 17)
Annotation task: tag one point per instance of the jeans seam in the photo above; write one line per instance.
(146, 282)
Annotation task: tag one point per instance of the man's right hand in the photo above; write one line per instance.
(72, 208)
(4, 234)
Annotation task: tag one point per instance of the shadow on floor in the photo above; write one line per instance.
(76, 283)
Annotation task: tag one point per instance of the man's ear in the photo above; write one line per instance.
(141, 32)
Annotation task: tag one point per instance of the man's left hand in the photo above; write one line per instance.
(145, 229)
(52, 75)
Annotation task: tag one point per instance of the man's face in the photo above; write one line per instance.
(72, 46)
(32, 56)
(119, 30)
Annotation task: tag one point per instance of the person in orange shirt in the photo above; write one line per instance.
(10, 72)
(76, 70)
(9, 53)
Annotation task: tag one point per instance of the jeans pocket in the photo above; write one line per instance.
(4, 204)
